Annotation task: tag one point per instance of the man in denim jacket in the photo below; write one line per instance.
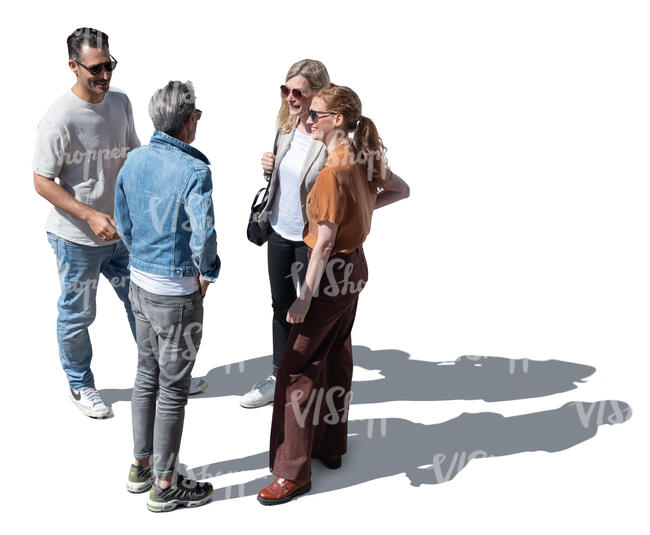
(164, 215)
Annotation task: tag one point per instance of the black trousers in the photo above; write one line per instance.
(287, 265)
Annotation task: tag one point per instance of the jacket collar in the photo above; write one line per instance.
(165, 139)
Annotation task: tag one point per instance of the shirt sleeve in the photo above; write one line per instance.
(131, 136)
(52, 142)
(328, 201)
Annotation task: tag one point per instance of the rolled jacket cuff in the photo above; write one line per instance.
(212, 274)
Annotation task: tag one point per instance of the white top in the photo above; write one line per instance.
(286, 214)
(163, 285)
(84, 145)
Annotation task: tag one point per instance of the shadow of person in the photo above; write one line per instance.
(468, 377)
(433, 454)
(406, 379)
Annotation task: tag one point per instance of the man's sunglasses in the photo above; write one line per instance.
(96, 69)
(197, 113)
(315, 115)
(295, 92)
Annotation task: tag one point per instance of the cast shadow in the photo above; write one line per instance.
(405, 379)
(433, 454)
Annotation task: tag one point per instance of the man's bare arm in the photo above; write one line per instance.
(101, 224)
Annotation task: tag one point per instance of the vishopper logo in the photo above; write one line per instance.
(334, 288)
(371, 429)
(93, 160)
(513, 364)
(316, 398)
(87, 287)
(164, 213)
(445, 467)
(167, 340)
(369, 158)
(240, 366)
(238, 490)
(99, 155)
(596, 414)
(87, 35)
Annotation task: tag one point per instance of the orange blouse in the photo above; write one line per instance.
(344, 196)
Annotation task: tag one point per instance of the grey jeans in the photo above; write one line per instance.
(168, 333)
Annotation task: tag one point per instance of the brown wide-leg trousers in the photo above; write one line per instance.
(313, 387)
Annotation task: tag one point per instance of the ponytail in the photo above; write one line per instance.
(370, 147)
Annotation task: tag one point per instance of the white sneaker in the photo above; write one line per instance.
(261, 394)
(197, 385)
(88, 401)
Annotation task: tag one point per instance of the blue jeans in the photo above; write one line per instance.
(79, 269)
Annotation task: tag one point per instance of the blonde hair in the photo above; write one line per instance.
(316, 75)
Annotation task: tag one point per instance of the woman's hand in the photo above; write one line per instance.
(393, 190)
(268, 161)
(298, 311)
(317, 262)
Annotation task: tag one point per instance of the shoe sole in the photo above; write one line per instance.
(138, 488)
(163, 507)
(301, 490)
(198, 389)
(89, 412)
(253, 405)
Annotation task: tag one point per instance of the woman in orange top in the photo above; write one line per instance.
(314, 380)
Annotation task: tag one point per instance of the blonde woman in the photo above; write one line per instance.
(294, 171)
(312, 396)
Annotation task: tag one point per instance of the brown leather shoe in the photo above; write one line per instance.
(283, 490)
(331, 461)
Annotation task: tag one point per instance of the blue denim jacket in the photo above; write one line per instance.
(163, 209)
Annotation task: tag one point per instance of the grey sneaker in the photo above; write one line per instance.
(261, 394)
(89, 402)
(185, 492)
(197, 385)
(140, 479)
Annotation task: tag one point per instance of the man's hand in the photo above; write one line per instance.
(298, 311)
(203, 284)
(103, 226)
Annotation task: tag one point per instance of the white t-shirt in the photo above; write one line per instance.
(163, 285)
(84, 145)
(286, 214)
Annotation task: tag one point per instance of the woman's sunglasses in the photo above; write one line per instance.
(295, 92)
(315, 115)
(96, 69)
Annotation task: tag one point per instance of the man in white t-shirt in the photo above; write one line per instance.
(81, 144)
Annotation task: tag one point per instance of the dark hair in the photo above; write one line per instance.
(85, 37)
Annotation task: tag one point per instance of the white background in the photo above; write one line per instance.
(522, 129)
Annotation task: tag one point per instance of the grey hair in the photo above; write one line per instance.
(171, 106)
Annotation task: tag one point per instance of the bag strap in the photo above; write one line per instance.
(267, 174)
(257, 196)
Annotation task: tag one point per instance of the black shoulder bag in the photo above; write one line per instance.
(255, 232)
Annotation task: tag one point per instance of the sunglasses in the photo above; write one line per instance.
(197, 113)
(314, 115)
(96, 69)
(295, 92)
